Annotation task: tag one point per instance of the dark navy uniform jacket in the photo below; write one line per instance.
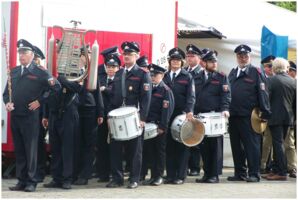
(91, 99)
(27, 88)
(162, 106)
(195, 75)
(212, 94)
(248, 91)
(62, 99)
(106, 94)
(183, 90)
(138, 90)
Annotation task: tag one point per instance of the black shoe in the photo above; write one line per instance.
(193, 173)
(236, 178)
(169, 181)
(17, 187)
(178, 182)
(148, 182)
(30, 188)
(132, 185)
(157, 181)
(213, 179)
(52, 184)
(114, 184)
(202, 180)
(81, 181)
(66, 186)
(253, 179)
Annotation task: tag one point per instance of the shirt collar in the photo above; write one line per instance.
(177, 72)
(128, 69)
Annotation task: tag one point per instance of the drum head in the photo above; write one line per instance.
(192, 132)
(122, 111)
(150, 126)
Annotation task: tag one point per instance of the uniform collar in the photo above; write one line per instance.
(177, 72)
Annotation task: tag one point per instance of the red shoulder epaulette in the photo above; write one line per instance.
(222, 73)
(259, 70)
(41, 67)
(144, 69)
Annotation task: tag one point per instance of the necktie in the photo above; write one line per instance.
(24, 70)
(209, 75)
(109, 81)
(174, 76)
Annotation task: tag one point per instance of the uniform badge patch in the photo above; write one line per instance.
(130, 88)
(146, 86)
(165, 104)
(262, 86)
(225, 88)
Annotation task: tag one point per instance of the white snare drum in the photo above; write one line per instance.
(214, 122)
(150, 131)
(190, 133)
(124, 123)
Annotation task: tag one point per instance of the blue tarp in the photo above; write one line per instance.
(272, 44)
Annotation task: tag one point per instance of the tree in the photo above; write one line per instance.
(290, 5)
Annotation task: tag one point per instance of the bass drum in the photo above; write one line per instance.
(190, 133)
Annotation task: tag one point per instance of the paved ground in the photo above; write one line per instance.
(225, 189)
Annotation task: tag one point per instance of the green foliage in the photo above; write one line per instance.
(290, 5)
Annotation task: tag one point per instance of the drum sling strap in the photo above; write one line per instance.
(123, 88)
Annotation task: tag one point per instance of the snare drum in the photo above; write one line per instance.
(214, 123)
(190, 133)
(124, 123)
(150, 131)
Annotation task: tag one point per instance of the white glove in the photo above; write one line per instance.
(226, 114)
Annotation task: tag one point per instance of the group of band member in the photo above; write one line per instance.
(77, 119)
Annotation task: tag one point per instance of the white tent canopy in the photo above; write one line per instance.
(240, 21)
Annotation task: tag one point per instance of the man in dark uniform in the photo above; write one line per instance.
(248, 91)
(213, 96)
(61, 115)
(112, 63)
(193, 58)
(182, 85)
(28, 83)
(161, 109)
(282, 94)
(91, 111)
(102, 73)
(266, 155)
(137, 84)
(41, 153)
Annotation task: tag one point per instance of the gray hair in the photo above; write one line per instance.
(280, 65)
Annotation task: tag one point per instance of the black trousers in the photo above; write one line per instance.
(245, 145)
(134, 150)
(279, 134)
(194, 159)
(25, 131)
(212, 155)
(177, 155)
(62, 139)
(41, 154)
(87, 142)
(155, 155)
(103, 152)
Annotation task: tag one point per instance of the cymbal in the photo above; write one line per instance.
(257, 124)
